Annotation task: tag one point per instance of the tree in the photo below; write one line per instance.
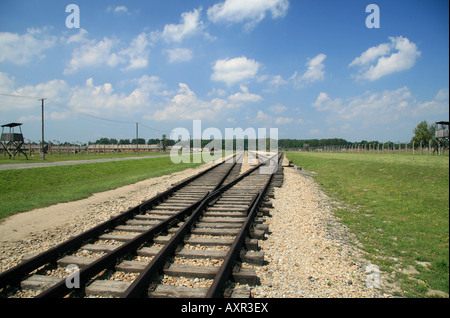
(164, 142)
(140, 141)
(102, 141)
(153, 141)
(124, 142)
(423, 132)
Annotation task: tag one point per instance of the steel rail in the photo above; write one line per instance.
(217, 287)
(17, 273)
(140, 285)
(111, 258)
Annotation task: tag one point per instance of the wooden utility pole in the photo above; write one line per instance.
(137, 139)
(42, 143)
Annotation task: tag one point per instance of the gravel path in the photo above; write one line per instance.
(309, 253)
(14, 166)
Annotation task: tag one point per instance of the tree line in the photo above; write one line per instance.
(423, 133)
(139, 141)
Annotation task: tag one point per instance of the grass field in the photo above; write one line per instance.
(397, 206)
(24, 190)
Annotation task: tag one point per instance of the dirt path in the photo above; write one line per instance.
(14, 166)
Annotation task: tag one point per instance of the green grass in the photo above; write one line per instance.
(397, 206)
(27, 189)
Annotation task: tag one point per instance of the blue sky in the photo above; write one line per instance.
(312, 69)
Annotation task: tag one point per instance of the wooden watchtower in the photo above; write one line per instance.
(12, 141)
(442, 134)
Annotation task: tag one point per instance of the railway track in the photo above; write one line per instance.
(196, 239)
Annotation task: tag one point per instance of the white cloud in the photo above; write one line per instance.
(95, 99)
(244, 97)
(235, 70)
(369, 109)
(94, 54)
(325, 103)
(439, 106)
(54, 90)
(314, 73)
(102, 99)
(80, 37)
(277, 81)
(121, 9)
(283, 120)
(152, 84)
(47, 116)
(106, 53)
(179, 55)
(442, 95)
(185, 105)
(315, 69)
(117, 9)
(273, 82)
(277, 109)
(397, 56)
(380, 112)
(149, 98)
(250, 11)
(190, 25)
(380, 109)
(262, 116)
(372, 54)
(6, 83)
(89, 98)
(217, 91)
(24, 119)
(137, 53)
(22, 49)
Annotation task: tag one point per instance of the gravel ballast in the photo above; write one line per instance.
(41, 229)
(308, 253)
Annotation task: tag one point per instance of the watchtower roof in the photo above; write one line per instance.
(12, 125)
